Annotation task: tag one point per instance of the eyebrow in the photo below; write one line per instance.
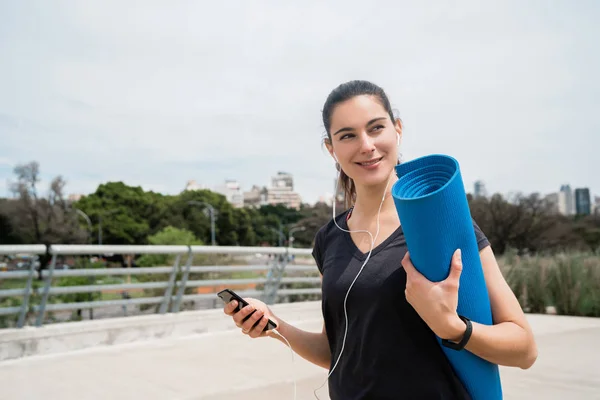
(346, 129)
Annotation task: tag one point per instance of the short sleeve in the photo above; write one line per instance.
(317, 250)
(482, 240)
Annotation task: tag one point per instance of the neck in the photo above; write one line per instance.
(368, 198)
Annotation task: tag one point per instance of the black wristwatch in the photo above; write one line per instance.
(460, 345)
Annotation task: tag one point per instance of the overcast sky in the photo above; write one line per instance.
(155, 93)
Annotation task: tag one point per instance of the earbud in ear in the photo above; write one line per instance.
(335, 158)
(398, 140)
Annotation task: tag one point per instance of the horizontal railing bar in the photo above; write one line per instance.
(68, 249)
(9, 310)
(6, 249)
(99, 288)
(56, 290)
(13, 274)
(221, 282)
(251, 293)
(210, 296)
(108, 271)
(100, 304)
(306, 279)
(309, 268)
(227, 268)
(241, 268)
(248, 250)
(285, 292)
(72, 249)
(12, 292)
(153, 270)
(150, 300)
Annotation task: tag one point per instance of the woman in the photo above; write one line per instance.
(394, 313)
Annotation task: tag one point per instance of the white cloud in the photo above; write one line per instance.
(155, 94)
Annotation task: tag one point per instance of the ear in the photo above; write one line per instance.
(398, 127)
(330, 149)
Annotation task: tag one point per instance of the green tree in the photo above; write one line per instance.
(124, 212)
(168, 236)
(245, 232)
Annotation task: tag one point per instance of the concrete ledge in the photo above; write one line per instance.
(71, 336)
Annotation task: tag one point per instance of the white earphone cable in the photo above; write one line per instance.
(291, 351)
(373, 239)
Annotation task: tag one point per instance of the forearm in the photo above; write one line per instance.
(504, 344)
(312, 346)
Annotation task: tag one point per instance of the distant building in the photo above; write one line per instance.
(280, 192)
(566, 201)
(479, 189)
(232, 192)
(74, 197)
(193, 185)
(256, 197)
(582, 201)
(552, 202)
(283, 179)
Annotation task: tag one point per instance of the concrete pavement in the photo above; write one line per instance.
(227, 365)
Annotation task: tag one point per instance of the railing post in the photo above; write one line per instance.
(181, 289)
(25, 304)
(269, 283)
(274, 278)
(169, 290)
(42, 313)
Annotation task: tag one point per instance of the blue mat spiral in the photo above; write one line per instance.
(434, 212)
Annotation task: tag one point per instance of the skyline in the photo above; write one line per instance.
(243, 188)
(508, 89)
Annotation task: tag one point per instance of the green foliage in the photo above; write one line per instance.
(168, 236)
(574, 284)
(124, 212)
(81, 263)
(570, 282)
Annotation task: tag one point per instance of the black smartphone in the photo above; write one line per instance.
(227, 295)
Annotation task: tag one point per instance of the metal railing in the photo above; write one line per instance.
(174, 287)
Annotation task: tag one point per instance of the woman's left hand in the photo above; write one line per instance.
(436, 302)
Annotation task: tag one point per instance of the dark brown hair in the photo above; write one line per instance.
(340, 94)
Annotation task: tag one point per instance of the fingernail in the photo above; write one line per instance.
(459, 255)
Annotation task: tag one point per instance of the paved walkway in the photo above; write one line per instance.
(227, 365)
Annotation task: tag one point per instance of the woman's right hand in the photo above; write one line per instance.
(261, 315)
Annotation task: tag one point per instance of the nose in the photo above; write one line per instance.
(367, 144)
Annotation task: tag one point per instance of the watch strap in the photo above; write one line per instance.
(463, 342)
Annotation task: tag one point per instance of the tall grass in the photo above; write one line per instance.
(569, 283)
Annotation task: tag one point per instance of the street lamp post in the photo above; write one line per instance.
(211, 211)
(280, 235)
(291, 232)
(89, 222)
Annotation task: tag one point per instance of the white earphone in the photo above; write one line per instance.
(373, 239)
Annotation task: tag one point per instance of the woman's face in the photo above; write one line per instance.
(364, 140)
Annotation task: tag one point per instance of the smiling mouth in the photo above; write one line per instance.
(371, 162)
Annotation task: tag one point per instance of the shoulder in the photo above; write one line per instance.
(324, 235)
(480, 236)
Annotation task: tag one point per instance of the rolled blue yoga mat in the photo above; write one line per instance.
(434, 212)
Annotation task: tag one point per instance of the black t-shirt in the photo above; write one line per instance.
(390, 353)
